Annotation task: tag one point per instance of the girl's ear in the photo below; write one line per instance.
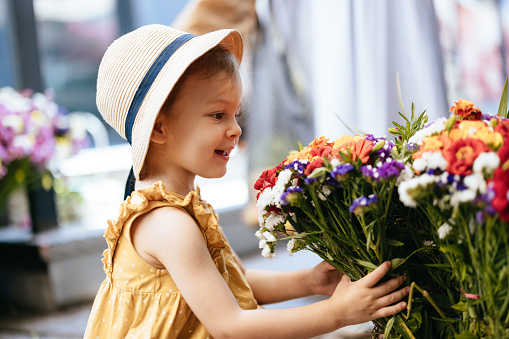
(159, 131)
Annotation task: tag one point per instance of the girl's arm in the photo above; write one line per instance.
(171, 237)
(276, 286)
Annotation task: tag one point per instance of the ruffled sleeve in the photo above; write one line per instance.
(201, 211)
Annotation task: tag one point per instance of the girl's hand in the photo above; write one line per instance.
(324, 279)
(362, 301)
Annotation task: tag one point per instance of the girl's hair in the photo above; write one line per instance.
(216, 62)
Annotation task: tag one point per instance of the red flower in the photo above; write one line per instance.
(461, 154)
(501, 184)
(321, 152)
(501, 187)
(267, 179)
(503, 129)
(466, 109)
(317, 163)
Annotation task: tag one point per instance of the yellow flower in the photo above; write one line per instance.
(432, 143)
(304, 154)
(346, 139)
(476, 130)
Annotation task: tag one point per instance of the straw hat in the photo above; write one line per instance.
(140, 69)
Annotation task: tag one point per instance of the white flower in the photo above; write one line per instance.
(335, 162)
(262, 243)
(267, 252)
(486, 162)
(430, 160)
(421, 181)
(326, 191)
(462, 196)
(259, 235)
(291, 245)
(13, 121)
(475, 182)
(269, 236)
(428, 243)
(406, 174)
(444, 230)
(420, 164)
(23, 141)
(274, 219)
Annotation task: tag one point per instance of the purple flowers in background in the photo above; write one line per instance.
(33, 127)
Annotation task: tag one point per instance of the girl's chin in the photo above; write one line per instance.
(213, 175)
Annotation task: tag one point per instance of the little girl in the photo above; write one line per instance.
(170, 272)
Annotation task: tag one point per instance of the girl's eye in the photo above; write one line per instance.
(217, 116)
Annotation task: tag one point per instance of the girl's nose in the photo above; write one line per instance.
(234, 131)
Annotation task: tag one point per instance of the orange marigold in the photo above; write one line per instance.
(321, 141)
(465, 109)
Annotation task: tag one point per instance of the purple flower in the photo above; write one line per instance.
(339, 172)
(309, 181)
(486, 116)
(479, 217)
(369, 171)
(413, 147)
(371, 137)
(390, 169)
(290, 195)
(363, 204)
(384, 153)
(298, 166)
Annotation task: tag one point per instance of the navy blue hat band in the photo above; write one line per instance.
(142, 91)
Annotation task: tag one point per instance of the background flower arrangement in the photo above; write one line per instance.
(34, 133)
(462, 186)
(434, 202)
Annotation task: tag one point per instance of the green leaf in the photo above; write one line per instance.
(396, 262)
(461, 306)
(465, 335)
(453, 249)
(393, 242)
(400, 97)
(502, 108)
(388, 328)
(317, 172)
(300, 146)
(366, 264)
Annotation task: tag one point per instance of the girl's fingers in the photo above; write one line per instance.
(393, 297)
(388, 286)
(389, 310)
(372, 278)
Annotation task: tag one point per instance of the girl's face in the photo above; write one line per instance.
(202, 127)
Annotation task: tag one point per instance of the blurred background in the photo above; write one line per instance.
(310, 68)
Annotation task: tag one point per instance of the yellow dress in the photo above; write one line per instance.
(137, 300)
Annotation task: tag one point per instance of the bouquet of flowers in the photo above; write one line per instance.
(34, 132)
(461, 184)
(340, 200)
